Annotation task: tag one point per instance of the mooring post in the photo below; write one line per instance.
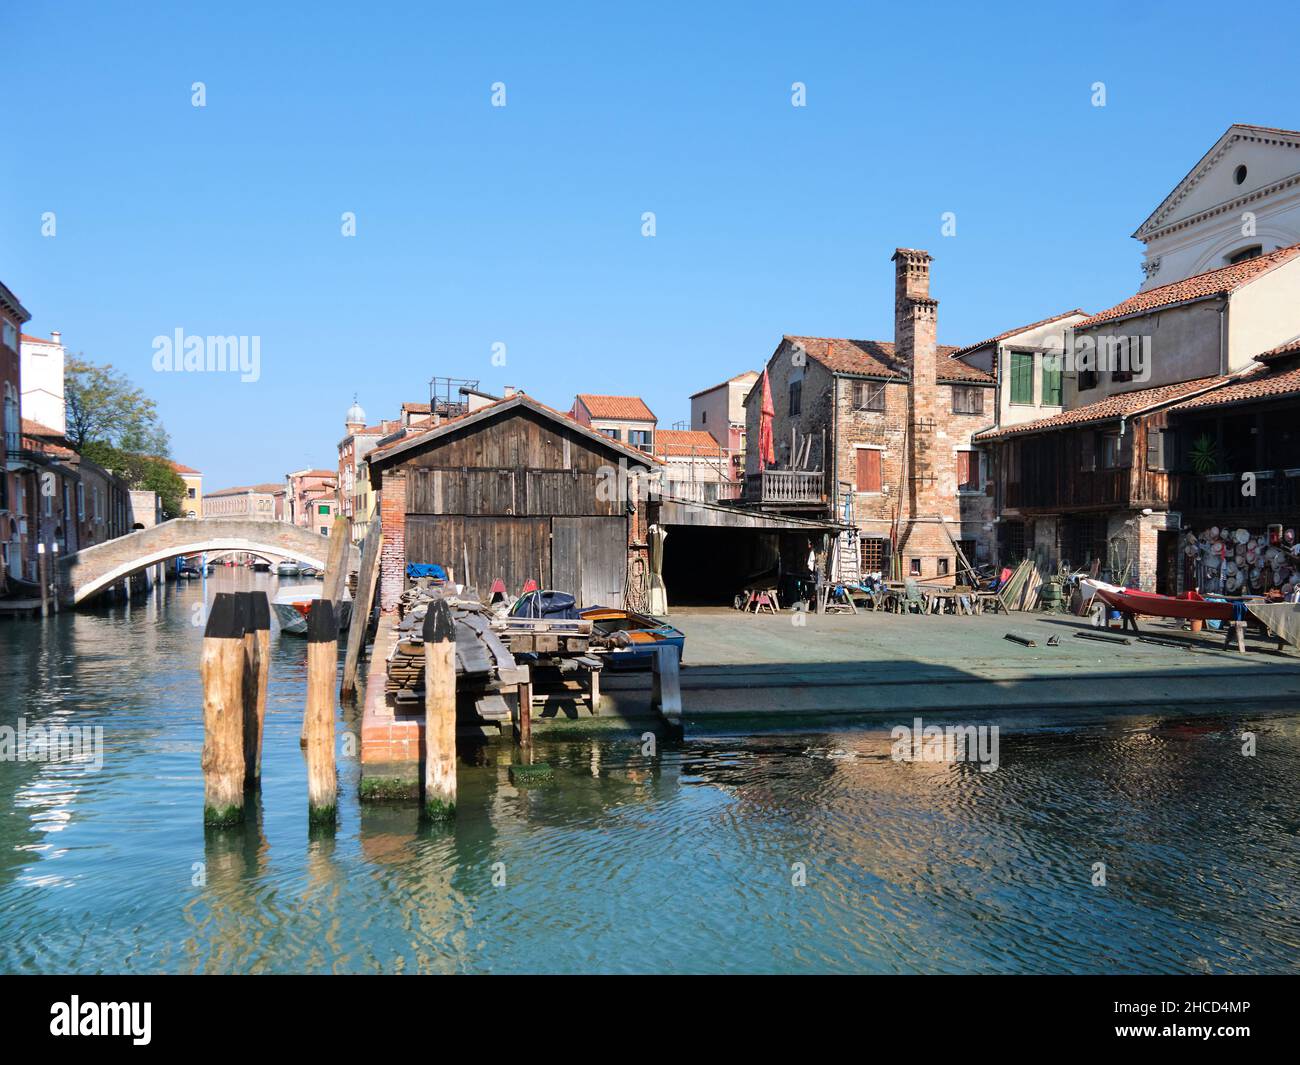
(666, 690)
(43, 575)
(257, 657)
(439, 712)
(318, 720)
(524, 733)
(222, 669)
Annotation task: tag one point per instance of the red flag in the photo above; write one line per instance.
(766, 448)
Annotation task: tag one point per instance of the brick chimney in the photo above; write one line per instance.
(915, 345)
(915, 314)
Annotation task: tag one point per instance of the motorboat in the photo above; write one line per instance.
(633, 638)
(293, 607)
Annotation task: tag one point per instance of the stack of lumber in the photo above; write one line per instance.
(482, 658)
(1022, 587)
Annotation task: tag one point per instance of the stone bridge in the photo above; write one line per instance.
(93, 569)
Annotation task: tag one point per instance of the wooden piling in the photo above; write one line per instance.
(257, 656)
(439, 712)
(43, 576)
(364, 599)
(318, 720)
(524, 731)
(222, 669)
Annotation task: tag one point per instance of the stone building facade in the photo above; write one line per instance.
(888, 428)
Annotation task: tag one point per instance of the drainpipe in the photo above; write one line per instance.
(835, 444)
(1223, 342)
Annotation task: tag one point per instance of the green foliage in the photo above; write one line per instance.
(103, 406)
(1205, 455)
(141, 471)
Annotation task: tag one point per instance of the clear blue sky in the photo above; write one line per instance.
(522, 225)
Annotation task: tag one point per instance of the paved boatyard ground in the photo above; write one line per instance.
(874, 665)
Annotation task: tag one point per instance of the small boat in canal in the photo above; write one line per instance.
(308, 571)
(1190, 606)
(634, 636)
(293, 607)
(287, 568)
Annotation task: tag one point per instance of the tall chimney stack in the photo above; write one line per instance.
(915, 315)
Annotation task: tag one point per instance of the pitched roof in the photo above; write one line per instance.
(1012, 332)
(1218, 282)
(1261, 383)
(1203, 166)
(34, 340)
(247, 489)
(632, 408)
(722, 384)
(184, 470)
(1122, 405)
(421, 433)
(1282, 351)
(31, 427)
(685, 442)
(877, 358)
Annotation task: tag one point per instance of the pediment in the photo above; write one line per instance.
(1268, 155)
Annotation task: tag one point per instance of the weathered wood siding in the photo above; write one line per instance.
(519, 498)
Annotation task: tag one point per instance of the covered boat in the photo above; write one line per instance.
(1190, 606)
(287, 568)
(293, 607)
(634, 636)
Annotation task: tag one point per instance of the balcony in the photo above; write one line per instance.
(1276, 492)
(785, 487)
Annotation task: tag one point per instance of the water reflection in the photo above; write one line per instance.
(777, 853)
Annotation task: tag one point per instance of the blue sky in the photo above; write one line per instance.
(522, 225)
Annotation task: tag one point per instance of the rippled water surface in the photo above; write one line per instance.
(784, 852)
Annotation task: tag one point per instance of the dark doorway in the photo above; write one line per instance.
(1167, 558)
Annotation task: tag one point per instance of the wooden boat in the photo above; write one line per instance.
(1189, 606)
(293, 607)
(634, 636)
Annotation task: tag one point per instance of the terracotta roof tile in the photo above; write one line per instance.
(1283, 351)
(184, 470)
(37, 429)
(1012, 332)
(1125, 404)
(685, 442)
(1201, 286)
(876, 358)
(1260, 383)
(632, 408)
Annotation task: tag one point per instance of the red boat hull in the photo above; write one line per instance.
(1166, 606)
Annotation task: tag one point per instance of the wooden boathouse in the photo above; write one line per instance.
(513, 490)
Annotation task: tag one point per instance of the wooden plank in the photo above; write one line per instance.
(366, 581)
(336, 560)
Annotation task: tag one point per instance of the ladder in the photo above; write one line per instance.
(848, 548)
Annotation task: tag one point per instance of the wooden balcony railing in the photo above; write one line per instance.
(785, 486)
(1270, 491)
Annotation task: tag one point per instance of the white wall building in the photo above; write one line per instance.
(42, 376)
(1241, 200)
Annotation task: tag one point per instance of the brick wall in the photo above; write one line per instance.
(392, 517)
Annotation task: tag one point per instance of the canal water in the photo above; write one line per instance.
(788, 852)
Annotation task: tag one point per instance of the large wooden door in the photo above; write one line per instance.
(514, 549)
(589, 559)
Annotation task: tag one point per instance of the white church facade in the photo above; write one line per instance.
(1240, 201)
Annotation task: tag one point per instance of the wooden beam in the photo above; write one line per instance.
(367, 578)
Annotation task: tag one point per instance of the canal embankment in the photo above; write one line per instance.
(753, 669)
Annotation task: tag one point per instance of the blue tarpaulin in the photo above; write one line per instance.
(426, 569)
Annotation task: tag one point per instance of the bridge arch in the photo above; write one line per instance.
(91, 570)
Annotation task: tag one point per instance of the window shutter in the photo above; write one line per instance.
(868, 470)
(963, 469)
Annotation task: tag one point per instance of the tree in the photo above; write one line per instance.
(104, 407)
(148, 472)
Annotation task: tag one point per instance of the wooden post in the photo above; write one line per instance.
(336, 561)
(666, 691)
(318, 720)
(365, 599)
(439, 712)
(257, 653)
(43, 576)
(524, 735)
(222, 669)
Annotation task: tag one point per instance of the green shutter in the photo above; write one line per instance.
(1022, 377)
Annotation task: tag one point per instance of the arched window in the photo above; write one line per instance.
(1242, 254)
